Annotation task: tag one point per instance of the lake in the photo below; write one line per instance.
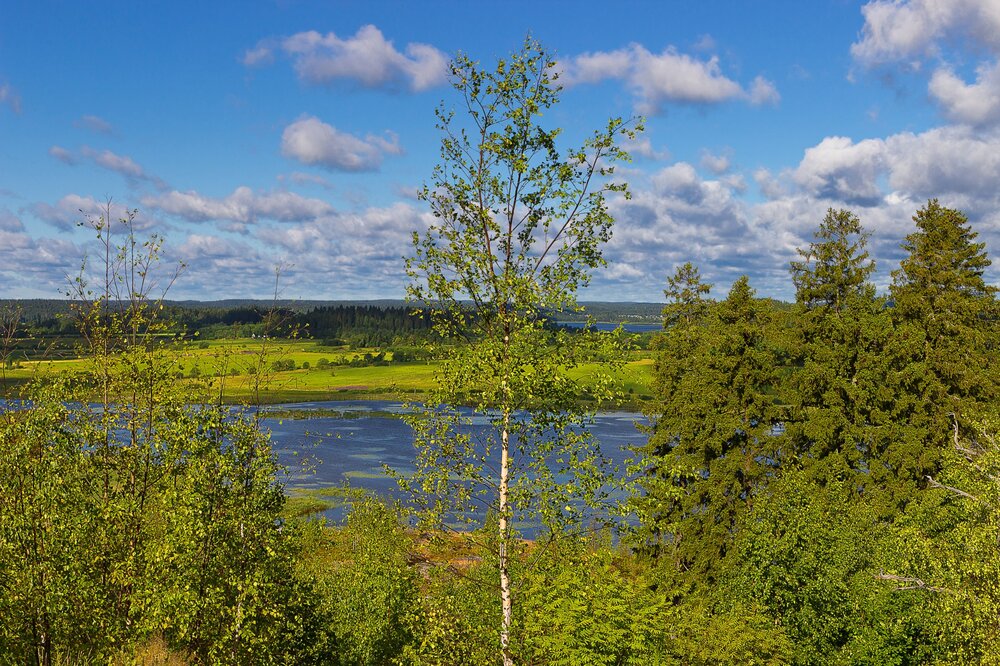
(606, 326)
(327, 451)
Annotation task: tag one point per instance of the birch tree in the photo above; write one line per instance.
(519, 227)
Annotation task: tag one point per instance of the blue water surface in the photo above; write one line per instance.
(321, 452)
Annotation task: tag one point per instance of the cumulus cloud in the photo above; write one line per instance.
(9, 221)
(837, 168)
(10, 97)
(242, 206)
(946, 161)
(914, 32)
(704, 43)
(769, 186)
(36, 267)
(74, 209)
(311, 141)
(676, 215)
(367, 58)
(717, 164)
(641, 146)
(262, 54)
(955, 161)
(973, 104)
(670, 76)
(762, 91)
(885, 181)
(348, 253)
(94, 124)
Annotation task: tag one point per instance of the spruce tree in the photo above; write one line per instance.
(712, 444)
(837, 314)
(836, 267)
(939, 291)
(684, 318)
(850, 415)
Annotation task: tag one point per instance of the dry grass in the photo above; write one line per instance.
(155, 652)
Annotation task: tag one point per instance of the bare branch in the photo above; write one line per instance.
(911, 583)
(961, 493)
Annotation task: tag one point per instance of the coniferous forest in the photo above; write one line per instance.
(820, 483)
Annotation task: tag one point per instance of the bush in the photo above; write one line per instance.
(374, 596)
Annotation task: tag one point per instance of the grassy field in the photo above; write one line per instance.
(247, 370)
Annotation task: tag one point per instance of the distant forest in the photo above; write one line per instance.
(366, 323)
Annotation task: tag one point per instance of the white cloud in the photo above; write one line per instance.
(958, 162)
(262, 54)
(769, 186)
(121, 164)
(63, 155)
(704, 43)
(242, 206)
(9, 221)
(642, 146)
(911, 30)
(36, 267)
(914, 32)
(972, 104)
(10, 97)
(367, 58)
(95, 124)
(717, 164)
(74, 209)
(763, 91)
(338, 255)
(948, 161)
(675, 215)
(597, 67)
(311, 141)
(217, 267)
(657, 79)
(837, 168)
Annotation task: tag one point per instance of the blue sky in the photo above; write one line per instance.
(295, 134)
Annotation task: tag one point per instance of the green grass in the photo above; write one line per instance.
(297, 506)
(242, 370)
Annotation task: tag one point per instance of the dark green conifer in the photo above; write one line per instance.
(683, 327)
(712, 442)
(940, 292)
(835, 268)
(850, 415)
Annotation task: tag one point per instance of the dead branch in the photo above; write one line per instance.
(911, 583)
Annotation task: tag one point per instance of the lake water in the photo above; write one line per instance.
(329, 451)
(605, 326)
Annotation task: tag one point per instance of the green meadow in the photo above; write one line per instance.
(278, 371)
